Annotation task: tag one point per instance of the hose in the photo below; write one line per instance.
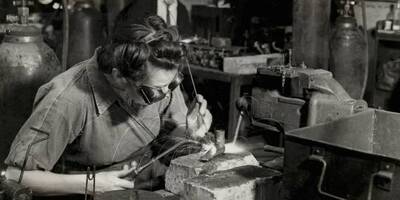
(364, 21)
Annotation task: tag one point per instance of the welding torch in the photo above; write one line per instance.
(137, 170)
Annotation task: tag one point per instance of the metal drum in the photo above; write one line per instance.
(86, 32)
(348, 54)
(26, 62)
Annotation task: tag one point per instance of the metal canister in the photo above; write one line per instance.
(86, 32)
(220, 141)
(348, 55)
(26, 63)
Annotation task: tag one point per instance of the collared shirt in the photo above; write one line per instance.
(173, 10)
(78, 117)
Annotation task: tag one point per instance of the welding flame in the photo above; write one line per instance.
(234, 148)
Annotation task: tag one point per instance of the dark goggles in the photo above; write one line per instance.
(153, 94)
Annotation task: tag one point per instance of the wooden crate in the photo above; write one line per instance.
(249, 64)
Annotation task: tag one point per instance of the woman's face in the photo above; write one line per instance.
(157, 81)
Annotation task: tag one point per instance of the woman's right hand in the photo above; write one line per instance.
(113, 180)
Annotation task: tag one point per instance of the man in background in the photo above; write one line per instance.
(173, 12)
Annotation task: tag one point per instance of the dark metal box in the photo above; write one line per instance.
(356, 157)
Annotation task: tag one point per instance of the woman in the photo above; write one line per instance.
(103, 110)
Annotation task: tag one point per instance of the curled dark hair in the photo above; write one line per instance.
(132, 45)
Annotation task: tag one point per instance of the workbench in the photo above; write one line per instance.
(235, 81)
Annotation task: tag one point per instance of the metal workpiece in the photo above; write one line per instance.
(219, 143)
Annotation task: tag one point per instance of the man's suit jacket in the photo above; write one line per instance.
(137, 10)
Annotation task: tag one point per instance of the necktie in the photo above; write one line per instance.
(168, 3)
(168, 15)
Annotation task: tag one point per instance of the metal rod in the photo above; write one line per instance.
(364, 21)
(239, 122)
(191, 76)
(194, 85)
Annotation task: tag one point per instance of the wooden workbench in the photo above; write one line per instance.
(236, 81)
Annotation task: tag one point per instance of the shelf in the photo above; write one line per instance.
(388, 36)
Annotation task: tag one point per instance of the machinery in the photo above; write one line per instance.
(335, 146)
(286, 98)
(299, 96)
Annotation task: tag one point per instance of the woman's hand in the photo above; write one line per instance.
(113, 180)
(199, 118)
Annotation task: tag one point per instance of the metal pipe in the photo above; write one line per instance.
(65, 46)
(239, 122)
(364, 19)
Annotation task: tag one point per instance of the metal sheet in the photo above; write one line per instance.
(356, 157)
(354, 132)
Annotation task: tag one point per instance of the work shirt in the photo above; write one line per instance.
(78, 117)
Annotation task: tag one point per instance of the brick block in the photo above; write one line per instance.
(190, 166)
(241, 183)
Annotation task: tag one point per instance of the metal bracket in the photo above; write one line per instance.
(318, 151)
(320, 159)
(384, 177)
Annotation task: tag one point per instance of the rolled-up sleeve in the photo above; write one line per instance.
(54, 123)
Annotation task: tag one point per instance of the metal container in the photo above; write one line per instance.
(87, 32)
(26, 62)
(348, 55)
(356, 157)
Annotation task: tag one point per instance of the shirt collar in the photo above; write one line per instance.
(103, 94)
(174, 4)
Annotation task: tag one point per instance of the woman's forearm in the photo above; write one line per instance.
(48, 183)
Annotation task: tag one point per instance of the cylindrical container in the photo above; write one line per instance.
(114, 7)
(26, 63)
(220, 139)
(348, 56)
(311, 32)
(86, 32)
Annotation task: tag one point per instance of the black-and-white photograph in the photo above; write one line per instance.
(199, 100)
